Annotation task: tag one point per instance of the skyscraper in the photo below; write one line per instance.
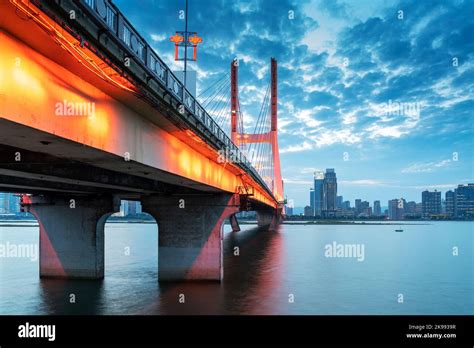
(134, 207)
(4, 203)
(346, 205)
(365, 209)
(311, 200)
(464, 201)
(357, 206)
(377, 208)
(318, 192)
(9, 203)
(339, 200)
(410, 208)
(124, 208)
(329, 191)
(396, 209)
(289, 207)
(14, 203)
(392, 209)
(431, 203)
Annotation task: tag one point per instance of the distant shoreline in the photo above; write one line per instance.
(328, 222)
(33, 223)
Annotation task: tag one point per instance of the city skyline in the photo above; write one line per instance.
(361, 196)
(363, 88)
(324, 202)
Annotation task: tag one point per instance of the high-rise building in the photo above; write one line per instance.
(346, 205)
(358, 201)
(9, 203)
(318, 192)
(392, 209)
(134, 207)
(329, 192)
(464, 201)
(4, 203)
(339, 200)
(308, 211)
(419, 209)
(396, 209)
(431, 203)
(365, 209)
(377, 208)
(311, 200)
(123, 208)
(289, 207)
(410, 208)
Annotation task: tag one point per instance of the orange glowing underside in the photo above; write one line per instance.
(32, 88)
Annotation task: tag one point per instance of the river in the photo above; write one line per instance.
(426, 269)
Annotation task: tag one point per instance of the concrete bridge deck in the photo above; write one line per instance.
(79, 144)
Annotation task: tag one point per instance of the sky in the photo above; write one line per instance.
(380, 90)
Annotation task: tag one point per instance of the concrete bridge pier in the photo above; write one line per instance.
(71, 234)
(269, 218)
(190, 234)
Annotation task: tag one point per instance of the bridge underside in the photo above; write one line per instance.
(34, 161)
(72, 198)
(78, 168)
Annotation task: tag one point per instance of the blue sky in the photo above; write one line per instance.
(343, 67)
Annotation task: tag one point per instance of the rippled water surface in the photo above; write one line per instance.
(283, 272)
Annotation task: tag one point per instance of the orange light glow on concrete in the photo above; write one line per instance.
(98, 123)
(114, 128)
(17, 74)
(205, 255)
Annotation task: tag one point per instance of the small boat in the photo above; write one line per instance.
(399, 229)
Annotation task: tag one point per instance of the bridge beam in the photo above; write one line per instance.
(190, 234)
(71, 234)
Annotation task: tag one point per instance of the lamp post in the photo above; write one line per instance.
(185, 39)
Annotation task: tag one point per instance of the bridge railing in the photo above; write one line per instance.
(116, 24)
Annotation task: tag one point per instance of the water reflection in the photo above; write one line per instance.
(61, 296)
(255, 275)
(251, 272)
(270, 266)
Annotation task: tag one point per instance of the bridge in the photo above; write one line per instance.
(91, 115)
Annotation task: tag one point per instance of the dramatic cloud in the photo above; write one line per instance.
(351, 73)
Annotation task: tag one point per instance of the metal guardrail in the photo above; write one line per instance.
(116, 24)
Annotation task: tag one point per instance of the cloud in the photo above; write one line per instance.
(326, 137)
(297, 181)
(427, 167)
(309, 170)
(158, 37)
(296, 148)
(306, 116)
(435, 186)
(326, 106)
(363, 182)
